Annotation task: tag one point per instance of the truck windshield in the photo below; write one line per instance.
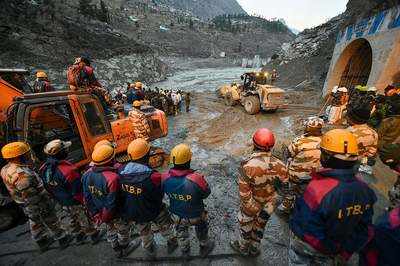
(54, 121)
(94, 119)
(17, 80)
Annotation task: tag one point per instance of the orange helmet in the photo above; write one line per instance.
(138, 148)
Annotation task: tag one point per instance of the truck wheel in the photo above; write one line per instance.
(229, 101)
(252, 105)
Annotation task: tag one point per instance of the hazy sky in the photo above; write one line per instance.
(298, 14)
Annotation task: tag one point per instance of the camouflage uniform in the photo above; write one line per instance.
(75, 220)
(367, 139)
(140, 124)
(118, 233)
(162, 224)
(304, 158)
(26, 189)
(182, 226)
(257, 196)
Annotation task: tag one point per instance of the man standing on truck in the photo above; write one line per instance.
(26, 188)
(187, 190)
(81, 76)
(303, 157)
(257, 192)
(42, 83)
(139, 121)
(142, 198)
(100, 188)
(63, 181)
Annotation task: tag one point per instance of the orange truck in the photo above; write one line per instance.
(71, 116)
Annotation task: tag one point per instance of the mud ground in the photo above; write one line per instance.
(220, 137)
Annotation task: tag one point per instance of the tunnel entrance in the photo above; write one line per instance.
(358, 66)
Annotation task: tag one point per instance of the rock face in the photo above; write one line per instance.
(207, 8)
(307, 58)
(49, 35)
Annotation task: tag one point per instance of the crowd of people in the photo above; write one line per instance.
(169, 101)
(321, 180)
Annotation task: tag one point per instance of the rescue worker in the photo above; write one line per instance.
(274, 76)
(187, 190)
(63, 181)
(187, 101)
(383, 106)
(176, 99)
(330, 221)
(367, 138)
(81, 76)
(389, 149)
(338, 105)
(135, 93)
(139, 121)
(142, 198)
(384, 248)
(257, 176)
(303, 158)
(42, 83)
(100, 187)
(26, 189)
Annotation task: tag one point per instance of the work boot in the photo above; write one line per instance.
(151, 250)
(65, 241)
(235, 245)
(124, 251)
(207, 248)
(44, 244)
(172, 245)
(96, 237)
(80, 238)
(254, 252)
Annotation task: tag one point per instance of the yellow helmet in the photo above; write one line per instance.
(14, 149)
(181, 154)
(41, 74)
(342, 143)
(55, 146)
(138, 148)
(137, 103)
(104, 142)
(138, 85)
(103, 154)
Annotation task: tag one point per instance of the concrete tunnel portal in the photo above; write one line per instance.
(354, 65)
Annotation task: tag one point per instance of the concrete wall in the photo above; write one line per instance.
(382, 32)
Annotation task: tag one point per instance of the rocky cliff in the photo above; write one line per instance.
(206, 8)
(50, 34)
(305, 61)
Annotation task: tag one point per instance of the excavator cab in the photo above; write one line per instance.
(76, 117)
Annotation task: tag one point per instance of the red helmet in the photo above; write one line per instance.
(264, 139)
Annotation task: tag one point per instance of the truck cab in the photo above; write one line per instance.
(76, 117)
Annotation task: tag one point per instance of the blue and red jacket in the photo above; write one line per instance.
(62, 180)
(100, 186)
(384, 249)
(335, 213)
(186, 191)
(140, 193)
